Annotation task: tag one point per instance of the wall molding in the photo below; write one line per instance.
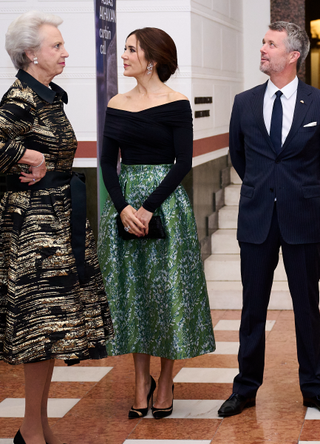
(77, 75)
(216, 19)
(87, 149)
(91, 162)
(209, 144)
(187, 74)
(204, 158)
(149, 7)
(204, 150)
(215, 77)
(84, 162)
(65, 75)
(48, 8)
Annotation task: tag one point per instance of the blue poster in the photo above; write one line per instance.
(107, 79)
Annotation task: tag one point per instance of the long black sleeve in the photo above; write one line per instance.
(183, 146)
(109, 161)
(159, 135)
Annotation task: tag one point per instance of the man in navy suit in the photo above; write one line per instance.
(275, 149)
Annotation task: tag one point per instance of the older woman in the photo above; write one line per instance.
(52, 300)
(154, 279)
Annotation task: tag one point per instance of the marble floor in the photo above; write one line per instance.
(89, 403)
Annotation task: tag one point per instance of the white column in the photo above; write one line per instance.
(256, 18)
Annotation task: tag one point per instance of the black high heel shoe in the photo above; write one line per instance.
(18, 438)
(140, 413)
(162, 413)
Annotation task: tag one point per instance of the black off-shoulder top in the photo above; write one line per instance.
(159, 135)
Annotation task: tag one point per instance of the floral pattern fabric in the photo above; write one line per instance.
(156, 288)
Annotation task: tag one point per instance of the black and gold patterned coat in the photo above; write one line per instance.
(47, 310)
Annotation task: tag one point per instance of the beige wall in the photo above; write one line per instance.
(218, 45)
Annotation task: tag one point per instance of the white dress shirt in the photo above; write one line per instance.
(288, 101)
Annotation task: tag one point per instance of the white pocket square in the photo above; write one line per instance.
(310, 124)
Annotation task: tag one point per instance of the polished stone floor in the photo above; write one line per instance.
(89, 402)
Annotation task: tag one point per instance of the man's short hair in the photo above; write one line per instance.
(297, 39)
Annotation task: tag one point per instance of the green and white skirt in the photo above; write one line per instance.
(156, 287)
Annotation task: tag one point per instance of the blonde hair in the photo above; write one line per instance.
(23, 35)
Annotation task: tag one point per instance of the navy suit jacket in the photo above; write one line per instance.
(292, 176)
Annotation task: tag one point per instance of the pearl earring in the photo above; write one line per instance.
(35, 60)
(149, 68)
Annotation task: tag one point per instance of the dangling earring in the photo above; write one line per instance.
(149, 68)
(35, 60)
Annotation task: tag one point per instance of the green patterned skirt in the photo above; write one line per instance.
(156, 287)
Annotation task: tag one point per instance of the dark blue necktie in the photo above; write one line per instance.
(276, 123)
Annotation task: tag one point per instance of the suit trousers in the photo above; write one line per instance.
(258, 262)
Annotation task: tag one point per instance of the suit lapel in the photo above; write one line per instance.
(257, 107)
(304, 100)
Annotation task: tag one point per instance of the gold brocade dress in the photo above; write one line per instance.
(47, 310)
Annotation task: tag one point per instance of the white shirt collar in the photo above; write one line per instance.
(287, 90)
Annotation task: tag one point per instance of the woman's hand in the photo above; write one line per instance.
(130, 221)
(37, 169)
(144, 216)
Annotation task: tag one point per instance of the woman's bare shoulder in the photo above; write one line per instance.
(175, 96)
(117, 101)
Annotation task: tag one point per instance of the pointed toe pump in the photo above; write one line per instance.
(163, 413)
(18, 438)
(140, 413)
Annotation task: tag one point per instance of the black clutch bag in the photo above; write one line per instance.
(156, 230)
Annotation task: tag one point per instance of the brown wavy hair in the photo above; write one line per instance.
(159, 48)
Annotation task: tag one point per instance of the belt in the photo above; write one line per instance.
(54, 179)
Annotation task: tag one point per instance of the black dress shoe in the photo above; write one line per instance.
(235, 404)
(312, 402)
